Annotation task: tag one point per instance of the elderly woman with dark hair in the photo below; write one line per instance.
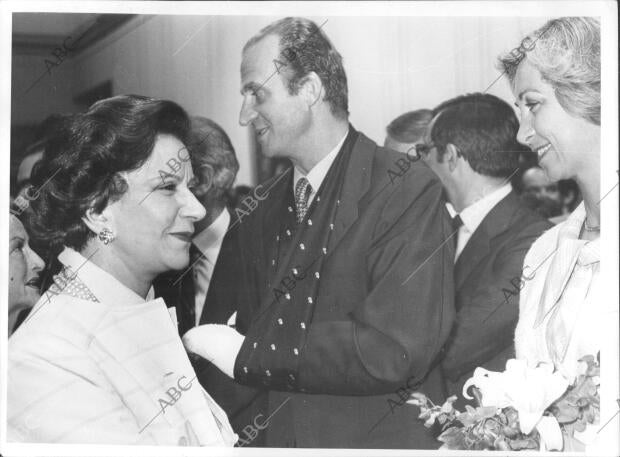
(24, 268)
(564, 311)
(98, 360)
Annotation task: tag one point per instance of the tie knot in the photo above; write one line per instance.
(303, 189)
(457, 222)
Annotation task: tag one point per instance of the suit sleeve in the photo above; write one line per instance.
(395, 333)
(485, 324)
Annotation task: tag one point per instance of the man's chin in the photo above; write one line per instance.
(271, 151)
(268, 152)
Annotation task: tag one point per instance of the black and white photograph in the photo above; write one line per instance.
(319, 228)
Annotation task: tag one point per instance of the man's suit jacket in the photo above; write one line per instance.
(382, 310)
(487, 278)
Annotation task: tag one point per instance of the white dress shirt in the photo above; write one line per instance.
(474, 214)
(209, 242)
(316, 176)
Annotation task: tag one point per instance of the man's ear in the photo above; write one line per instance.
(311, 88)
(96, 222)
(451, 157)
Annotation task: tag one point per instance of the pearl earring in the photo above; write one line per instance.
(106, 235)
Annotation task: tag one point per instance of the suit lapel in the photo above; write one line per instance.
(355, 185)
(354, 189)
(479, 245)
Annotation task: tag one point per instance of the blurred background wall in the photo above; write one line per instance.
(393, 64)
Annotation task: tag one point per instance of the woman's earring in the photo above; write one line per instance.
(106, 235)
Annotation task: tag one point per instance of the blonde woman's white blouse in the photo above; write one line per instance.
(563, 312)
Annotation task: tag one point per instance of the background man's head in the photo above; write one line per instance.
(471, 144)
(291, 77)
(407, 130)
(537, 183)
(33, 154)
(215, 166)
(548, 198)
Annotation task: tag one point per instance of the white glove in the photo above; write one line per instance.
(217, 343)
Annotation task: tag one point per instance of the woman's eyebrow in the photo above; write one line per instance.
(250, 87)
(165, 175)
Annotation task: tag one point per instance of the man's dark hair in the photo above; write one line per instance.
(212, 156)
(484, 130)
(82, 163)
(305, 48)
(410, 127)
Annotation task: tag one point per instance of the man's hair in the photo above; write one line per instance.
(305, 48)
(483, 128)
(410, 127)
(567, 53)
(212, 156)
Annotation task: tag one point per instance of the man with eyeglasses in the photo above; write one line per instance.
(471, 145)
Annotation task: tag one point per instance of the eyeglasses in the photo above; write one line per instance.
(423, 149)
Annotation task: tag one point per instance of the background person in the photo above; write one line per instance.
(540, 194)
(407, 130)
(471, 146)
(24, 268)
(190, 291)
(215, 168)
(553, 200)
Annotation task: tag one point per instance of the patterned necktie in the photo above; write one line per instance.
(303, 189)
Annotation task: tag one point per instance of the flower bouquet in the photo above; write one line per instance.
(520, 408)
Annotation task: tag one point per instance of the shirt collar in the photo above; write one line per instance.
(590, 250)
(473, 215)
(102, 284)
(316, 176)
(451, 210)
(210, 236)
(571, 228)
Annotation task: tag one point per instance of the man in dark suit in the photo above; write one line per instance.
(346, 294)
(215, 167)
(471, 145)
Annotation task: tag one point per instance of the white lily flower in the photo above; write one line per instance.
(529, 390)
